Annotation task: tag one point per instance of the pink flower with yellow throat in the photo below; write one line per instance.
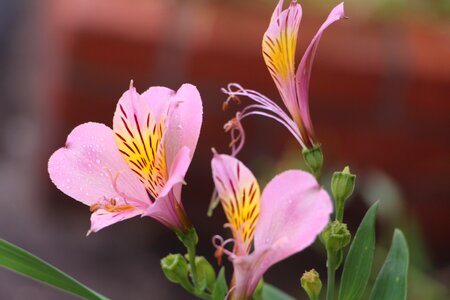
(138, 167)
(278, 49)
(292, 210)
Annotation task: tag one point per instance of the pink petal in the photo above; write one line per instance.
(82, 169)
(294, 210)
(278, 47)
(169, 211)
(139, 127)
(167, 208)
(240, 197)
(155, 100)
(184, 122)
(293, 207)
(178, 170)
(102, 218)
(304, 69)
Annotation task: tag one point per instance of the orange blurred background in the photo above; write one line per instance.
(379, 97)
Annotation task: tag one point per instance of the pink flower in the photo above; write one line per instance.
(138, 167)
(278, 48)
(287, 218)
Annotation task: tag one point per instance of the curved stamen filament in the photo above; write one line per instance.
(220, 248)
(120, 193)
(254, 95)
(264, 107)
(237, 134)
(291, 130)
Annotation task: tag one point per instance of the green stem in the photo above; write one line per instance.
(331, 271)
(191, 258)
(190, 240)
(339, 212)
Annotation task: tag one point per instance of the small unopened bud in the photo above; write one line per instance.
(225, 105)
(311, 283)
(336, 236)
(205, 272)
(342, 186)
(176, 269)
(314, 159)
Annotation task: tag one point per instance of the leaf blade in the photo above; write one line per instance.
(391, 282)
(358, 263)
(24, 263)
(220, 286)
(269, 292)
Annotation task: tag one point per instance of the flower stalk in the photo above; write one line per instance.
(189, 239)
(331, 273)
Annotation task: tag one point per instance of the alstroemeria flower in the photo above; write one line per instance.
(138, 167)
(278, 48)
(287, 218)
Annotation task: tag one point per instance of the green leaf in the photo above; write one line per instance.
(358, 263)
(220, 287)
(258, 293)
(391, 282)
(25, 263)
(269, 292)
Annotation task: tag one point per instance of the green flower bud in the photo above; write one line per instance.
(342, 186)
(336, 236)
(205, 272)
(314, 159)
(311, 283)
(176, 269)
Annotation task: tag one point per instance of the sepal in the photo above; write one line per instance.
(314, 159)
(176, 270)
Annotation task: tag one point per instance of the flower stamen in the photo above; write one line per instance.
(219, 243)
(263, 107)
(117, 190)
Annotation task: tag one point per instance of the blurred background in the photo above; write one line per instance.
(379, 97)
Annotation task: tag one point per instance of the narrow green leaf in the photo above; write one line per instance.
(220, 287)
(391, 282)
(269, 292)
(25, 263)
(258, 293)
(358, 263)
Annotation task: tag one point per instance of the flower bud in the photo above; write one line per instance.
(205, 272)
(336, 236)
(311, 283)
(342, 185)
(176, 269)
(314, 159)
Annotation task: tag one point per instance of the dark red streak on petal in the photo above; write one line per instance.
(123, 111)
(126, 127)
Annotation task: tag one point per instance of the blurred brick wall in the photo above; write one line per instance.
(379, 91)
